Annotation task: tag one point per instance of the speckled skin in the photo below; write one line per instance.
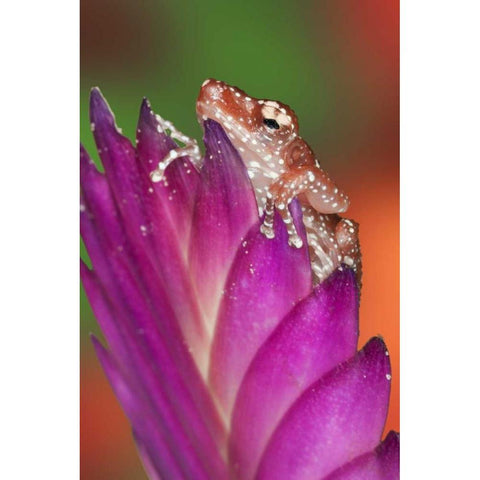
(281, 166)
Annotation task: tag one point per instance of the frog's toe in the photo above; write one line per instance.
(267, 231)
(295, 241)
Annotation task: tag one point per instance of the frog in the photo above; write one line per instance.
(281, 166)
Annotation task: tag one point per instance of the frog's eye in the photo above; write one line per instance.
(271, 123)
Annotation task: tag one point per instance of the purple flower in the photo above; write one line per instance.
(226, 361)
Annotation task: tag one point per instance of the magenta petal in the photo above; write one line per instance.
(165, 463)
(268, 277)
(381, 464)
(138, 210)
(120, 263)
(175, 197)
(169, 378)
(225, 211)
(153, 473)
(388, 455)
(136, 315)
(171, 450)
(320, 332)
(125, 179)
(336, 419)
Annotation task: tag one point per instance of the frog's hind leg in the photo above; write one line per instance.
(309, 180)
(346, 233)
(190, 149)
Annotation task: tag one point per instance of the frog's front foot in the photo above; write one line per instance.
(190, 149)
(158, 174)
(280, 199)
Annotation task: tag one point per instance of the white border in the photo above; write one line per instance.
(440, 138)
(39, 353)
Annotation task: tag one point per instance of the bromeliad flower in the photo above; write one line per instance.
(226, 360)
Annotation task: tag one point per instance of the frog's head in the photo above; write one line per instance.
(262, 127)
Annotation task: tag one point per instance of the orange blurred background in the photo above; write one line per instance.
(336, 63)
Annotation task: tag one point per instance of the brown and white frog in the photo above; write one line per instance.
(281, 166)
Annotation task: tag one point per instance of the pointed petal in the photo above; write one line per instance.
(267, 278)
(98, 207)
(337, 419)
(176, 195)
(320, 332)
(381, 464)
(388, 454)
(120, 263)
(120, 270)
(136, 316)
(225, 211)
(137, 210)
(132, 190)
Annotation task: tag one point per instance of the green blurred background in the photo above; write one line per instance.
(335, 62)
